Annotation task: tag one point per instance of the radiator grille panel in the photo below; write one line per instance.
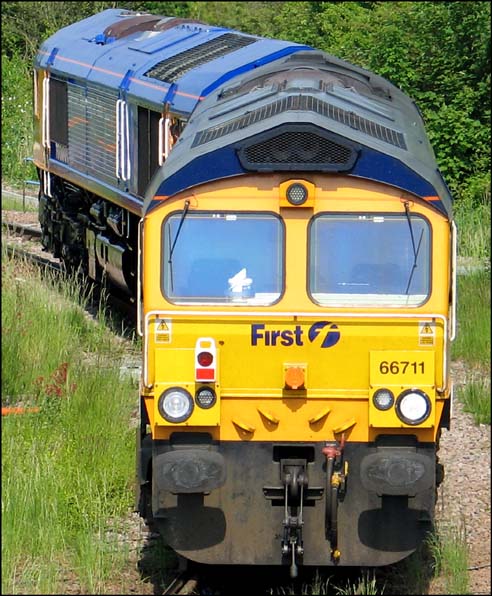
(172, 69)
(92, 132)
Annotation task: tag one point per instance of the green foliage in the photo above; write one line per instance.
(25, 25)
(166, 9)
(449, 549)
(67, 468)
(472, 214)
(437, 52)
(475, 396)
(445, 68)
(249, 17)
(472, 342)
(365, 585)
(16, 118)
(43, 341)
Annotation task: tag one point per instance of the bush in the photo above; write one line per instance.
(17, 119)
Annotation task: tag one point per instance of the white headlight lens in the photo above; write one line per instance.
(297, 194)
(413, 406)
(175, 405)
(205, 398)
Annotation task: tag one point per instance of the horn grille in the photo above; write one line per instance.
(298, 150)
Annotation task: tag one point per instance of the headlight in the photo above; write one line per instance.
(205, 398)
(383, 399)
(297, 194)
(175, 404)
(413, 406)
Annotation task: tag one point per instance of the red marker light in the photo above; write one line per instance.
(205, 358)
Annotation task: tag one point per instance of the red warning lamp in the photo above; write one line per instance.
(205, 359)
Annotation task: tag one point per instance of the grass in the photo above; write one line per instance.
(441, 560)
(472, 344)
(65, 469)
(17, 203)
(472, 215)
(366, 584)
(450, 553)
(323, 584)
(475, 397)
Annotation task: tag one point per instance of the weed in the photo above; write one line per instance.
(366, 584)
(472, 342)
(66, 468)
(449, 549)
(475, 397)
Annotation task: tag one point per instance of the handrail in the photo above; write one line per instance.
(454, 268)
(123, 164)
(161, 142)
(167, 136)
(45, 121)
(277, 314)
(139, 280)
(118, 135)
(126, 147)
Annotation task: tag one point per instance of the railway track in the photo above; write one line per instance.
(23, 241)
(243, 580)
(21, 250)
(23, 253)
(28, 231)
(181, 584)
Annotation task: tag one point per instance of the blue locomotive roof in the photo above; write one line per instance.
(341, 108)
(159, 60)
(262, 87)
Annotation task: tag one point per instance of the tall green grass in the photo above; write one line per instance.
(66, 470)
(472, 342)
(324, 584)
(472, 215)
(17, 119)
(450, 553)
(475, 396)
(18, 203)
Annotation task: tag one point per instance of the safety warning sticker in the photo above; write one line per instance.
(427, 333)
(163, 330)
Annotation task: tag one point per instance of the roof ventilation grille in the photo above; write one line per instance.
(172, 69)
(306, 103)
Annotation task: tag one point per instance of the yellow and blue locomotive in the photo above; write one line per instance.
(278, 216)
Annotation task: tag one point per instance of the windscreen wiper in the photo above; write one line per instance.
(170, 260)
(415, 250)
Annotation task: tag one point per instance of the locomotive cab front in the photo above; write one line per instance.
(296, 369)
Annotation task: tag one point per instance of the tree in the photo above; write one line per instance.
(437, 52)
